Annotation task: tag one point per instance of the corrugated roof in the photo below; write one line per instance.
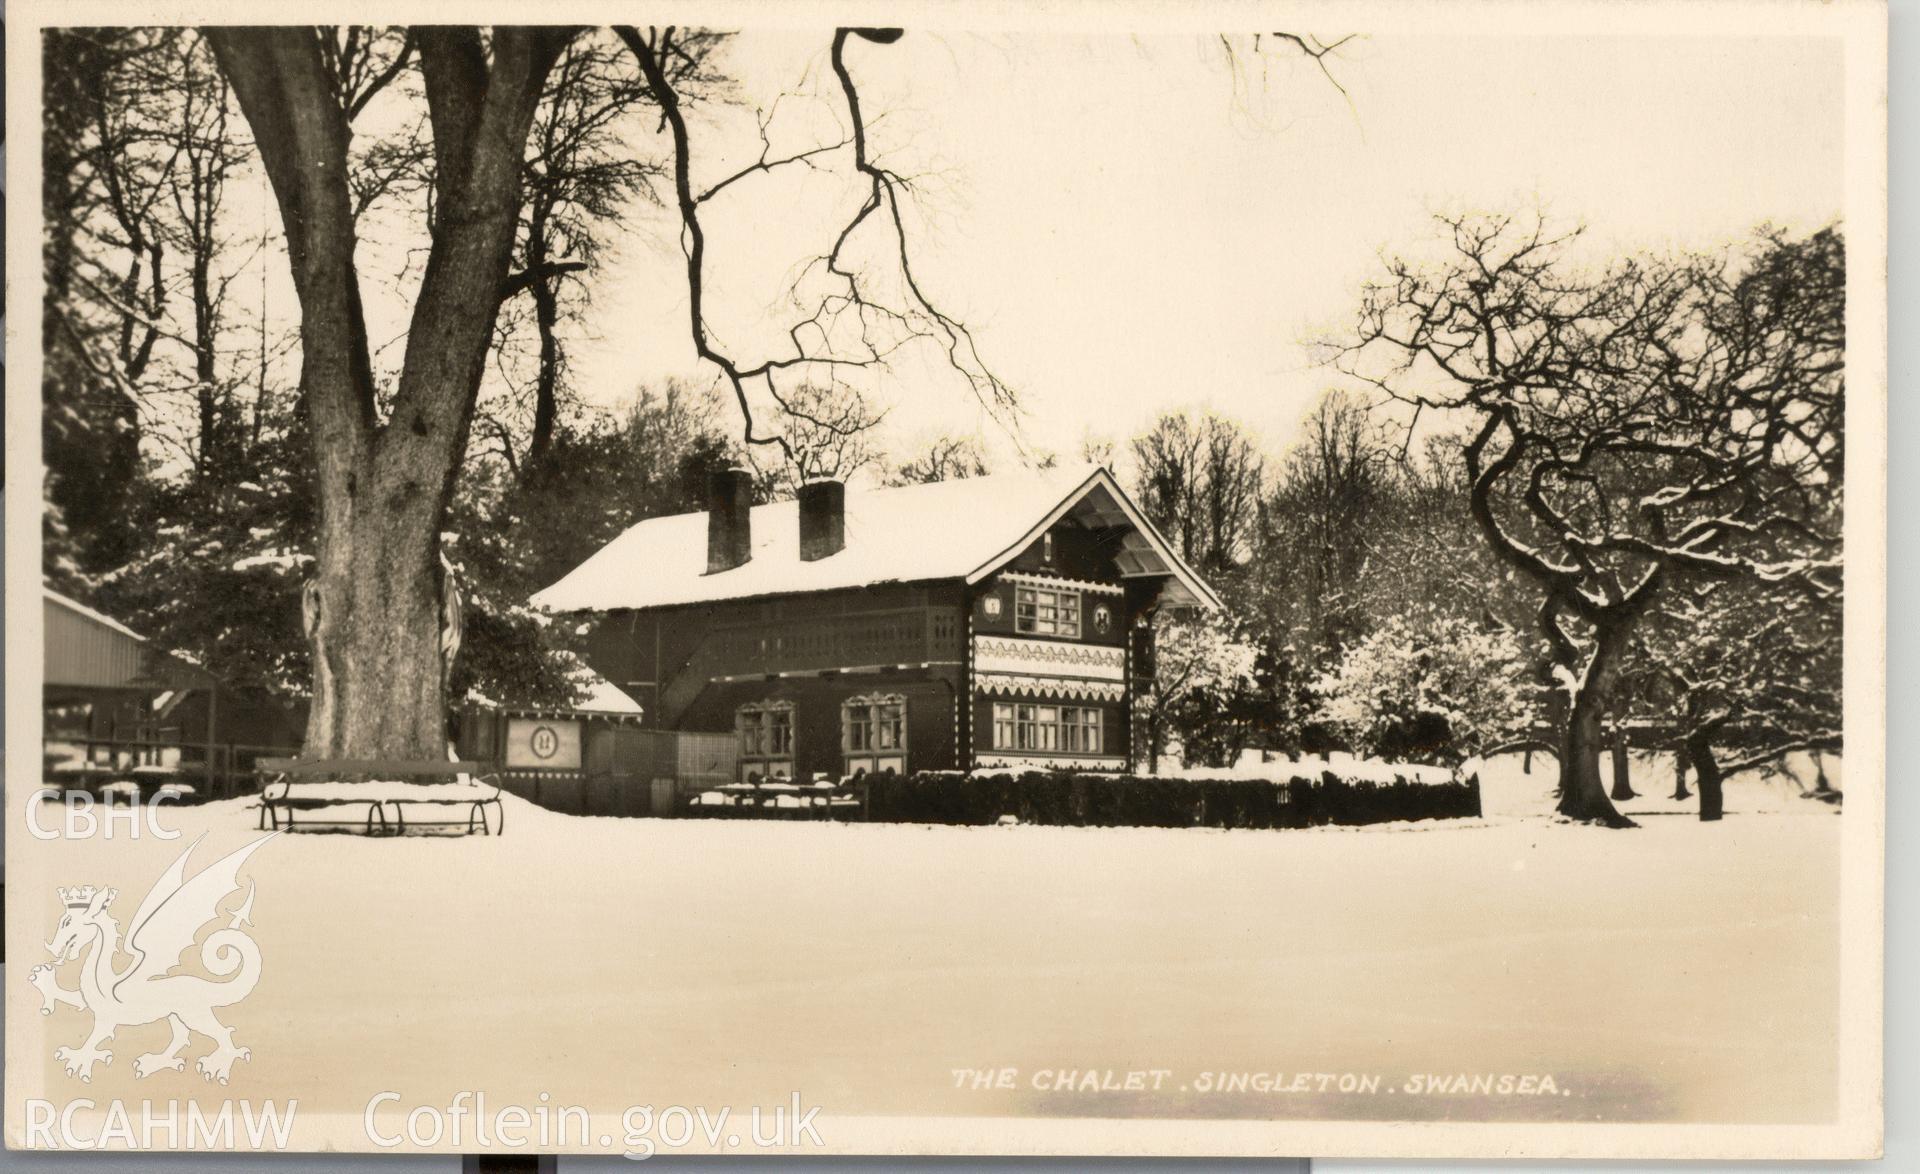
(945, 530)
(104, 620)
(88, 648)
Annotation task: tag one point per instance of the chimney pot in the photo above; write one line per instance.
(823, 519)
(729, 519)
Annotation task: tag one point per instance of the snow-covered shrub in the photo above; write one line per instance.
(1441, 691)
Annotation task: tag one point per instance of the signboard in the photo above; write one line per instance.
(538, 743)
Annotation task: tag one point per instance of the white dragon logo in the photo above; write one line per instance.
(145, 991)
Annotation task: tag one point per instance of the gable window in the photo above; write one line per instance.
(1048, 729)
(1046, 612)
(765, 730)
(873, 733)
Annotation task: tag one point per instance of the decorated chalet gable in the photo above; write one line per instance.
(993, 621)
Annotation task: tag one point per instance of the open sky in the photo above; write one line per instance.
(1130, 224)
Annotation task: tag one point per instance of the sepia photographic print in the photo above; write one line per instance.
(1074, 579)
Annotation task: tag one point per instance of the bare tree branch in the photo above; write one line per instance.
(881, 328)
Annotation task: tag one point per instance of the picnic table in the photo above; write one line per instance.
(300, 792)
(74, 774)
(117, 784)
(821, 796)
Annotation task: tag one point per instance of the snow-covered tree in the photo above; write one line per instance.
(218, 574)
(1745, 675)
(1653, 420)
(1439, 691)
(1192, 655)
(510, 536)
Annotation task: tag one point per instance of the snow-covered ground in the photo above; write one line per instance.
(1509, 789)
(1680, 971)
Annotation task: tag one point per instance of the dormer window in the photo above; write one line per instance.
(1043, 611)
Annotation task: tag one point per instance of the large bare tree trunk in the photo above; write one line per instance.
(373, 607)
(1822, 786)
(1681, 760)
(546, 316)
(1583, 795)
(1622, 766)
(374, 628)
(1707, 777)
(546, 402)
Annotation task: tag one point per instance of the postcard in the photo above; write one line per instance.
(1072, 579)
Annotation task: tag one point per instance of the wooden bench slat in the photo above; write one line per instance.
(286, 778)
(365, 766)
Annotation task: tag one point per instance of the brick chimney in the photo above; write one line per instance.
(729, 519)
(823, 519)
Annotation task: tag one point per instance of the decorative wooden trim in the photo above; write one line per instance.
(1058, 583)
(792, 674)
(966, 721)
(1026, 656)
(1105, 479)
(616, 716)
(1013, 685)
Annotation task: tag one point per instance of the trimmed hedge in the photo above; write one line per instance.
(1083, 800)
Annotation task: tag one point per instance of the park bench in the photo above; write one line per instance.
(303, 792)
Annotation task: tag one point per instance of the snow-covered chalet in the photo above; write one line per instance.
(992, 621)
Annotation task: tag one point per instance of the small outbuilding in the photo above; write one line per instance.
(112, 700)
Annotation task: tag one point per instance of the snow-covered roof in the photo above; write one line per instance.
(964, 529)
(603, 696)
(100, 618)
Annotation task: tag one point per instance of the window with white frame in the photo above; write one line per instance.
(873, 733)
(1048, 729)
(765, 730)
(1046, 612)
